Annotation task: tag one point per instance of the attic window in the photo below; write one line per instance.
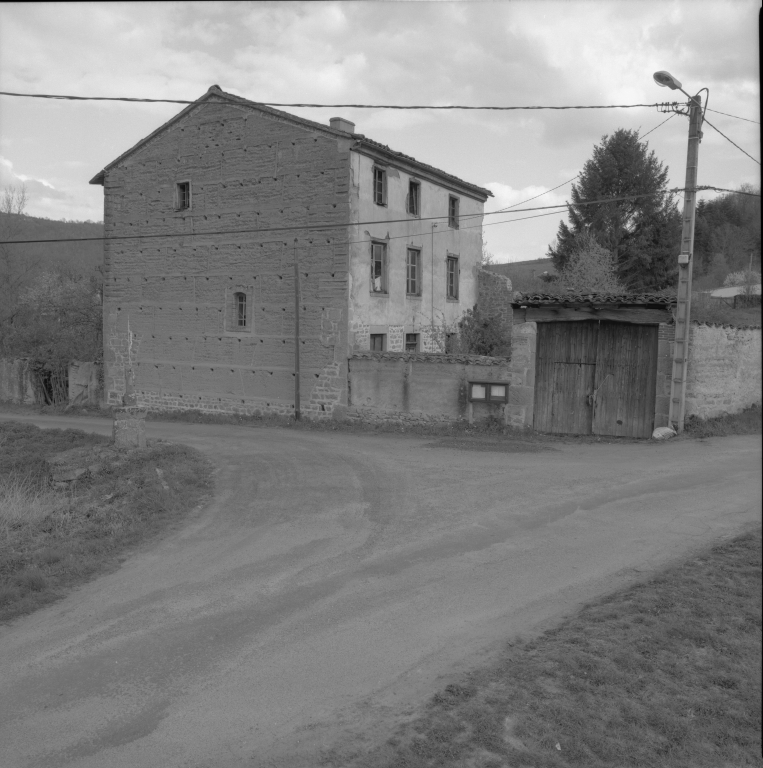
(183, 195)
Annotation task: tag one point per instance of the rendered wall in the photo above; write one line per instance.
(395, 313)
(420, 387)
(168, 309)
(724, 373)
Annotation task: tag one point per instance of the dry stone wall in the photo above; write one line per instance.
(169, 293)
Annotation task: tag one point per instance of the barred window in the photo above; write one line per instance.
(411, 342)
(183, 195)
(240, 302)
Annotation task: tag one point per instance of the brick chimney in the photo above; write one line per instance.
(340, 124)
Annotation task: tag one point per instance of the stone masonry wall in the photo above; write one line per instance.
(173, 286)
(494, 295)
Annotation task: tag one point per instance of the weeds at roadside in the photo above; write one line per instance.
(52, 540)
(666, 673)
(747, 422)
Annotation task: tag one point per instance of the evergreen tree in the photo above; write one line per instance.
(643, 235)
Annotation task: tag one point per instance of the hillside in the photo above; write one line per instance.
(81, 258)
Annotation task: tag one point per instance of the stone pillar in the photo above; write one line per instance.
(519, 411)
(130, 427)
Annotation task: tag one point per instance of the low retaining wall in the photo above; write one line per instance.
(417, 387)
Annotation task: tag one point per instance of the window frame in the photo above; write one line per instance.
(489, 397)
(405, 342)
(454, 205)
(455, 261)
(239, 300)
(379, 192)
(383, 291)
(183, 193)
(413, 206)
(418, 278)
(383, 337)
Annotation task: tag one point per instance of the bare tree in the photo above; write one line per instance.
(16, 266)
(590, 268)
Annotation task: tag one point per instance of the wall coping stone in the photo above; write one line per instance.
(432, 357)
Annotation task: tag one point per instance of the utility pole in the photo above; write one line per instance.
(297, 414)
(683, 308)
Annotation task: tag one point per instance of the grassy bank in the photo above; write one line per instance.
(52, 540)
(748, 422)
(664, 674)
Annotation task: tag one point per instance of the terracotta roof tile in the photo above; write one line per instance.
(595, 298)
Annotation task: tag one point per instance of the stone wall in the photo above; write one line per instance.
(724, 373)
(169, 296)
(494, 295)
(84, 383)
(16, 382)
(522, 389)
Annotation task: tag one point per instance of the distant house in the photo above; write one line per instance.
(524, 274)
(205, 221)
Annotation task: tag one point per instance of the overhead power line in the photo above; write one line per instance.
(321, 227)
(733, 191)
(730, 141)
(746, 119)
(327, 106)
(658, 126)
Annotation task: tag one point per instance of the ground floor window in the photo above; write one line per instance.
(411, 342)
(378, 342)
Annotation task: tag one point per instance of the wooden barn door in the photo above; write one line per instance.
(564, 377)
(595, 377)
(626, 380)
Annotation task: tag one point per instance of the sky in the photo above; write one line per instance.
(506, 53)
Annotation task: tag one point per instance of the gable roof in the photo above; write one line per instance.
(216, 95)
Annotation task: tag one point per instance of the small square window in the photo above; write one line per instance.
(453, 212)
(183, 195)
(378, 268)
(451, 291)
(413, 272)
(380, 186)
(378, 342)
(414, 198)
(411, 342)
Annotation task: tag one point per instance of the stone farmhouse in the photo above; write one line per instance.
(211, 219)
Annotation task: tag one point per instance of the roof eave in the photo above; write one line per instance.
(371, 149)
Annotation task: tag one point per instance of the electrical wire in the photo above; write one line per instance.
(319, 106)
(319, 227)
(657, 126)
(746, 119)
(731, 142)
(529, 199)
(733, 191)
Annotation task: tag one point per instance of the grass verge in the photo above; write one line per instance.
(51, 541)
(748, 422)
(666, 673)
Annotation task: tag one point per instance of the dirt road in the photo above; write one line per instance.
(336, 580)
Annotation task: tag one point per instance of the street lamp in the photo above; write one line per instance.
(683, 307)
